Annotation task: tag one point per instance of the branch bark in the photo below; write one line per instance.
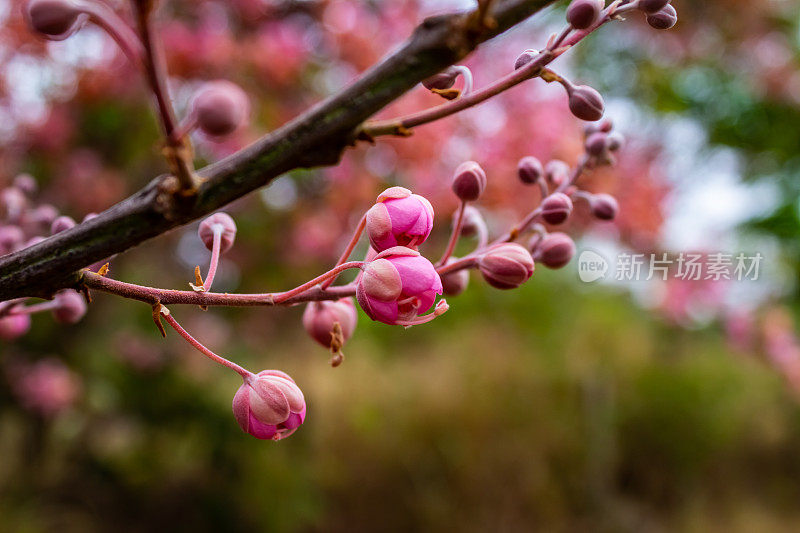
(316, 138)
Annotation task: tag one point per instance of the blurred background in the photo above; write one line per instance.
(561, 406)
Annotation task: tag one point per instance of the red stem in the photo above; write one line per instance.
(331, 274)
(456, 233)
(349, 249)
(215, 252)
(202, 349)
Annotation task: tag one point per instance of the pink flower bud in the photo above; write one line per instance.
(399, 218)
(556, 172)
(220, 107)
(664, 19)
(456, 282)
(319, 319)
(33, 241)
(529, 170)
(62, 223)
(55, 19)
(615, 141)
(13, 202)
(398, 286)
(26, 183)
(44, 215)
(46, 387)
(586, 103)
(556, 208)
(70, 307)
(652, 6)
(473, 223)
(221, 222)
(506, 266)
(469, 181)
(444, 80)
(604, 206)
(525, 57)
(555, 250)
(14, 326)
(605, 125)
(269, 405)
(11, 239)
(581, 14)
(597, 144)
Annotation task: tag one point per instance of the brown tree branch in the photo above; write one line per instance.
(316, 138)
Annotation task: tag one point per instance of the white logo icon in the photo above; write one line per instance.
(591, 266)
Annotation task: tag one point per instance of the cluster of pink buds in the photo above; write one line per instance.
(395, 284)
(24, 223)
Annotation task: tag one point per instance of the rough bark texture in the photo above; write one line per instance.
(316, 138)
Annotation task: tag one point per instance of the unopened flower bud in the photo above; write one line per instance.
(469, 181)
(399, 218)
(525, 57)
(604, 206)
(44, 215)
(605, 125)
(219, 222)
(55, 19)
(14, 326)
(13, 202)
(269, 405)
(652, 6)
(581, 14)
(443, 80)
(664, 19)
(597, 144)
(33, 241)
(556, 208)
(506, 266)
(556, 171)
(398, 286)
(11, 239)
(220, 107)
(473, 223)
(454, 283)
(615, 141)
(529, 170)
(586, 103)
(62, 223)
(319, 319)
(26, 183)
(555, 250)
(70, 307)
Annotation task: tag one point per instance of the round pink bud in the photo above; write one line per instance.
(26, 183)
(33, 241)
(13, 202)
(319, 319)
(529, 170)
(556, 208)
(652, 6)
(664, 19)
(221, 223)
(615, 141)
(269, 405)
(456, 282)
(444, 80)
(556, 171)
(604, 206)
(469, 181)
(70, 307)
(586, 103)
(398, 286)
(506, 266)
(11, 239)
(399, 218)
(44, 215)
(597, 144)
(55, 19)
(220, 107)
(14, 326)
(555, 250)
(525, 57)
(473, 223)
(62, 223)
(581, 14)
